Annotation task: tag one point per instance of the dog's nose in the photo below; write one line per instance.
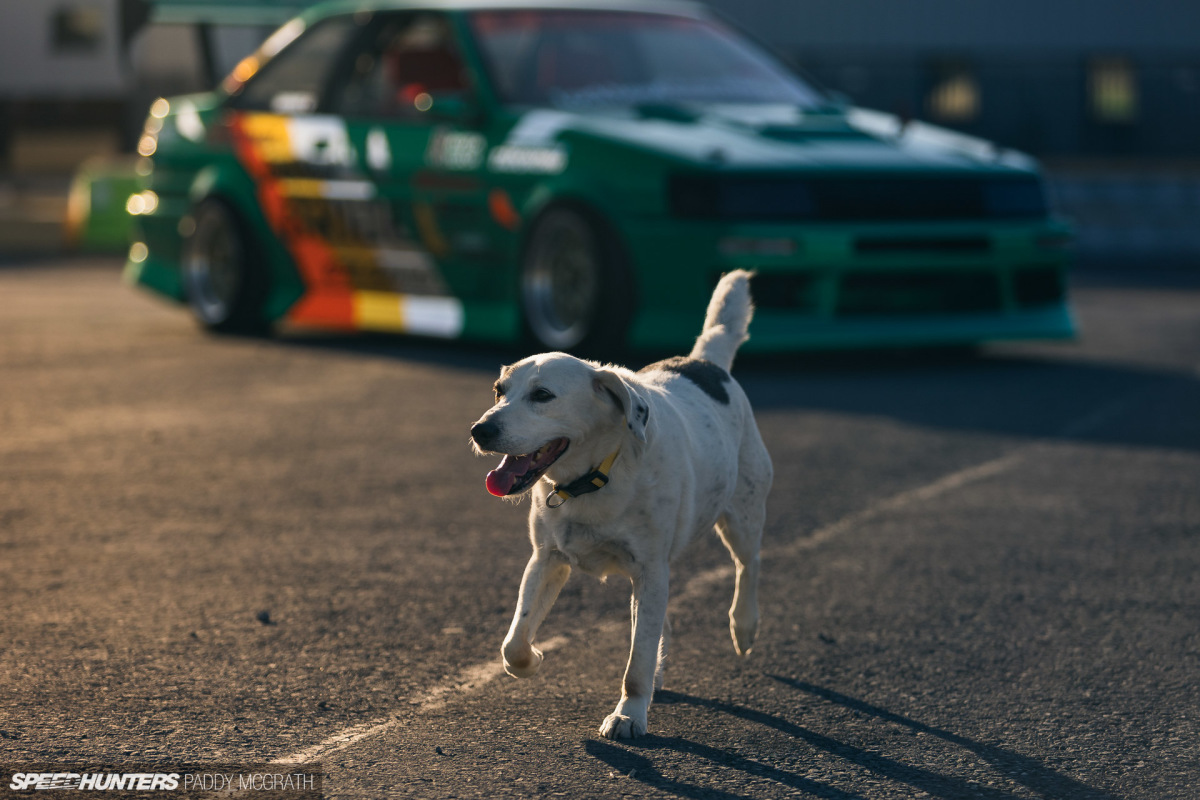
(485, 432)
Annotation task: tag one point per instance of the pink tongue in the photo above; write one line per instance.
(500, 481)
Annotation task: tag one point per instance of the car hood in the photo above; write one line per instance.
(772, 137)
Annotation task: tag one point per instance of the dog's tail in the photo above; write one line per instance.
(727, 320)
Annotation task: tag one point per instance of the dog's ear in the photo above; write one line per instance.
(629, 398)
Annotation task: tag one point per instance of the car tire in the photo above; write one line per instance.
(576, 291)
(224, 279)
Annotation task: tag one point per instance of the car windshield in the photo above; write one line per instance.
(599, 59)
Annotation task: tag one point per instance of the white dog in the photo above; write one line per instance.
(631, 466)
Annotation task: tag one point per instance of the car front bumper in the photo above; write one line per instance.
(857, 286)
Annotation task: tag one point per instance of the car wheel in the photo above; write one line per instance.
(225, 282)
(575, 287)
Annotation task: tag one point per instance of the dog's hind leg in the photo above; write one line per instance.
(544, 577)
(741, 538)
(664, 643)
(740, 528)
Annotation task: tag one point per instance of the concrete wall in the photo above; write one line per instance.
(1011, 26)
(1031, 60)
(1125, 215)
(34, 63)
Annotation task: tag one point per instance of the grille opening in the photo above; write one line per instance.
(916, 293)
(1042, 286)
(791, 292)
(838, 199)
(963, 244)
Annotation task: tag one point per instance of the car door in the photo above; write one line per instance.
(424, 162)
(305, 172)
(333, 132)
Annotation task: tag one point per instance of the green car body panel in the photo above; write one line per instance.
(863, 231)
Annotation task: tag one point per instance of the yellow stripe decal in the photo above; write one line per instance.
(302, 187)
(269, 133)
(379, 311)
(388, 311)
(317, 188)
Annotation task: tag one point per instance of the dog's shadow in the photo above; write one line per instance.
(636, 761)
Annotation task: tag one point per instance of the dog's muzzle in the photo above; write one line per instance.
(485, 433)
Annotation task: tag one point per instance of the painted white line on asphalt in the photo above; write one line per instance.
(470, 680)
(703, 580)
(477, 676)
(948, 483)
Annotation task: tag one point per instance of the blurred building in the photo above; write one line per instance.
(76, 76)
(1105, 92)
(76, 80)
(61, 79)
(1078, 78)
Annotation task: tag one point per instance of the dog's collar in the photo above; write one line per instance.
(594, 481)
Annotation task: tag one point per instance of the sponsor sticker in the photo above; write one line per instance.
(379, 154)
(456, 150)
(512, 158)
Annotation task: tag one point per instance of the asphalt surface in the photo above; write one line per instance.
(980, 573)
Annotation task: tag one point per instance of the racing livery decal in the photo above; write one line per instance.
(361, 271)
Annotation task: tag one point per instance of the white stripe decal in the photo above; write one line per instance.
(347, 190)
(320, 139)
(432, 316)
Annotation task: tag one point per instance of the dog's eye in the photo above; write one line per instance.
(541, 395)
(499, 390)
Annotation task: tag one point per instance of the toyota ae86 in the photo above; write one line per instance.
(577, 176)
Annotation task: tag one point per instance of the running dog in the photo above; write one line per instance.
(625, 469)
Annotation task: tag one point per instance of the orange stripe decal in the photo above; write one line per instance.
(259, 141)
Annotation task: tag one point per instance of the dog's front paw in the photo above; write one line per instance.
(521, 661)
(619, 726)
(744, 632)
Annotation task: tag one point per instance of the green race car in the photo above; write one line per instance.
(579, 174)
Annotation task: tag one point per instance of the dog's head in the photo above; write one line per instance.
(557, 412)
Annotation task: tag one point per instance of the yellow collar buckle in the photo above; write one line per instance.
(594, 481)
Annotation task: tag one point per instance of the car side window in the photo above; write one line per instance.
(293, 81)
(410, 59)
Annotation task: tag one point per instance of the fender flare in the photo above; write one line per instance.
(234, 187)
